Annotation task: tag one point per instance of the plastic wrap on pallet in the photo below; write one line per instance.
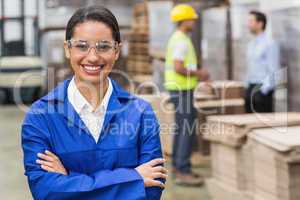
(285, 28)
(240, 35)
(214, 45)
(159, 14)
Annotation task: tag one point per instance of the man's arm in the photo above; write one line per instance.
(202, 74)
(273, 67)
(180, 69)
(180, 51)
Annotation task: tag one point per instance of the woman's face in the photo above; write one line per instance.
(92, 52)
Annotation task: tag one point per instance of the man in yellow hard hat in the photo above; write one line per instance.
(181, 78)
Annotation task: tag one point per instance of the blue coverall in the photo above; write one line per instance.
(96, 170)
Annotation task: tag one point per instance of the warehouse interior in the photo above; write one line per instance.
(240, 156)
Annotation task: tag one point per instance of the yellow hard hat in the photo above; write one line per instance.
(183, 12)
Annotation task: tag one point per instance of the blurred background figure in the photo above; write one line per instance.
(181, 78)
(263, 62)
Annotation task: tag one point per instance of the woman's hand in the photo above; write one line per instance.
(151, 171)
(51, 163)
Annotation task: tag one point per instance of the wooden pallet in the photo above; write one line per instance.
(139, 67)
(139, 61)
(143, 58)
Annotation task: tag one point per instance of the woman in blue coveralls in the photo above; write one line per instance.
(88, 138)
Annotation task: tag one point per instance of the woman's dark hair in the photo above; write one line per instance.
(260, 17)
(94, 13)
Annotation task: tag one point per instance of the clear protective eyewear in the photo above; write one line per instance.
(84, 47)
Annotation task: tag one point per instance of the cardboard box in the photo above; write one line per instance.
(232, 157)
(276, 161)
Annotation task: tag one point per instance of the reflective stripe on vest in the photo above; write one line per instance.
(173, 80)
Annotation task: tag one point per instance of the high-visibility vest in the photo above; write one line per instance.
(174, 80)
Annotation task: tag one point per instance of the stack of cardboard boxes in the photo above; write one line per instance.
(232, 154)
(139, 61)
(276, 163)
(138, 64)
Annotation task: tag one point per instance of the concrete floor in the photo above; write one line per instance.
(13, 185)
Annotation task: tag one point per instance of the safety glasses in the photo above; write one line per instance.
(83, 47)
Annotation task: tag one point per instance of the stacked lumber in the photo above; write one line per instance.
(276, 163)
(231, 153)
(139, 61)
(164, 111)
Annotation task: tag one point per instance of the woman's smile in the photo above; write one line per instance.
(92, 70)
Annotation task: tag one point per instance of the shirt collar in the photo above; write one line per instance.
(75, 97)
(81, 104)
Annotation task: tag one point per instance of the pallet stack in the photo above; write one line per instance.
(231, 153)
(276, 163)
(139, 62)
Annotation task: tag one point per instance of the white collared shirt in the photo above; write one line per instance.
(93, 119)
(263, 56)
